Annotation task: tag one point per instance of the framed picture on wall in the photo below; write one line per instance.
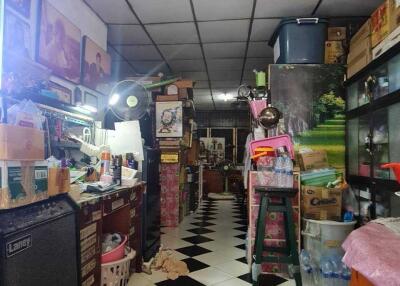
(96, 64)
(169, 119)
(21, 6)
(17, 35)
(63, 94)
(59, 46)
(91, 101)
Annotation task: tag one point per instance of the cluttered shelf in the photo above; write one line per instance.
(390, 53)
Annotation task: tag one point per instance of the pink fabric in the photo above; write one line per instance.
(374, 251)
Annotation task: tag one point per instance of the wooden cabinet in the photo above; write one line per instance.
(213, 181)
(115, 211)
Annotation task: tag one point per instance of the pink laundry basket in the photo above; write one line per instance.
(274, 142)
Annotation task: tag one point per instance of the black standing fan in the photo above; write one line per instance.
(129, 100)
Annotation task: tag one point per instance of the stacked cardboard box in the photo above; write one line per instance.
(317, 201)
(360, 53)
(376, 36)
(23, 173)
(334, 46)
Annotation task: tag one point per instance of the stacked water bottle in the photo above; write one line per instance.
(283, 169)
(330, 271)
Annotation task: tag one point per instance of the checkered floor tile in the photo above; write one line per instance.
(212, 243)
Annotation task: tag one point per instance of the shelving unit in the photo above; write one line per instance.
(372, 137)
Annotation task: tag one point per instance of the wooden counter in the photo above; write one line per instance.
(115, 211)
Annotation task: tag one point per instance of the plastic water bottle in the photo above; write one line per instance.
(278, 172)
(288, 172)
(327, 273)
(336, 271)
(346, 275)
(255, 271)
(306, 268)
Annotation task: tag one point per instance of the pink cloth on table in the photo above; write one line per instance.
(374, 251)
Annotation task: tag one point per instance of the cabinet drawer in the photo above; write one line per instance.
(115, 201)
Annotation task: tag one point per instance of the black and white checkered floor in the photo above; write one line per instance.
(212, 243)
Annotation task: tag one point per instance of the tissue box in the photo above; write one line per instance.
(22, 183)
(21, 143)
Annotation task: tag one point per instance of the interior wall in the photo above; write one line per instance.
(81, 16)
(223, 118)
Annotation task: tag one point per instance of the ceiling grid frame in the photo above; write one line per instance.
(202, 52)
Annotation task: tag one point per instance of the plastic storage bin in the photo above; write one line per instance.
(325, 237)
(115, 254)
(117, 273)
(274, 142)
(300, 41)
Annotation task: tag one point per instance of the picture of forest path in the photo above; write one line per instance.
(328, 136)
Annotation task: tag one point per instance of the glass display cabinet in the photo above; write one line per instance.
(373, 136)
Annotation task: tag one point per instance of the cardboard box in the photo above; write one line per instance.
(386, 44)
(313, 160)
(380, 23)
(321, 203)
(336, 33)
(334, 52)
(58, 181)
(359, 57)
(21, 143)
(22, 183)
(394, 14)
(363, 33)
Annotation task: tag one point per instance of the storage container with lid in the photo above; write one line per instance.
(299, 41)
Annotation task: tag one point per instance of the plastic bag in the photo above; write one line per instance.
(25, 114)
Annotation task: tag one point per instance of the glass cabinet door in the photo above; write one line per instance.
(364, 157)
(380, 139)
(352, 146)
(356, 95)
(394, 73)
(381, 81)
(394, 135)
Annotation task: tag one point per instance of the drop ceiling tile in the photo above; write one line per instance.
(150, 67)
(224, 50)
(122, 69)
(194, 75)
(204, 106)
(173, 33)
(221, 9)
(263, 29)
(224, 31)
(260, 49)
(285, 8)
(225, 75)
(181, 52)
(201, 84)
(224, 105)
(201, 92)
(337, 8)
(225, 84)
(187, 65)
(258, 63)
(132, 52)
(127, 34)
(115, 56)
(224, 64)
(116, 11)
(158, 11)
